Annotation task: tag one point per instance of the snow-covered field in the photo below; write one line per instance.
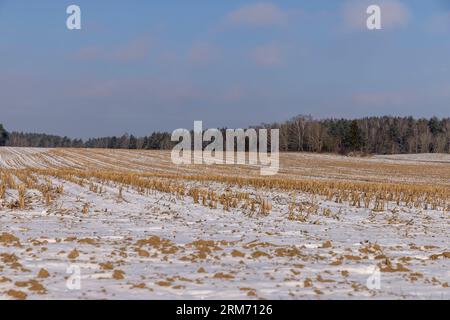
(195, 232)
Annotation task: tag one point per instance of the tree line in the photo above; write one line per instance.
(371, 135)
(156, 141)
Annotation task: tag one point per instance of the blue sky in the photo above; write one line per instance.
(138, 66)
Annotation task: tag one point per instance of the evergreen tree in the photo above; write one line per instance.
(3, 135)
(145, 143)
(133, 142)
(355, 136)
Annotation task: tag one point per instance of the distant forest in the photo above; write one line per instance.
(371, 135)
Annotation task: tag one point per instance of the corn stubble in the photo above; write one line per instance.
(376, 196)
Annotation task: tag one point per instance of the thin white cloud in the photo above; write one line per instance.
(136, 50)
(374, 99)
(439, 23)
(261, 14)
(268, 55)
(138, 89)
(89, 53)
(402, 97)
(203, 53)
(394, 13)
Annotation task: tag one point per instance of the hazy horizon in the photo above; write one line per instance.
(190, 128)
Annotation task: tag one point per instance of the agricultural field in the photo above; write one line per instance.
(128, 224)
